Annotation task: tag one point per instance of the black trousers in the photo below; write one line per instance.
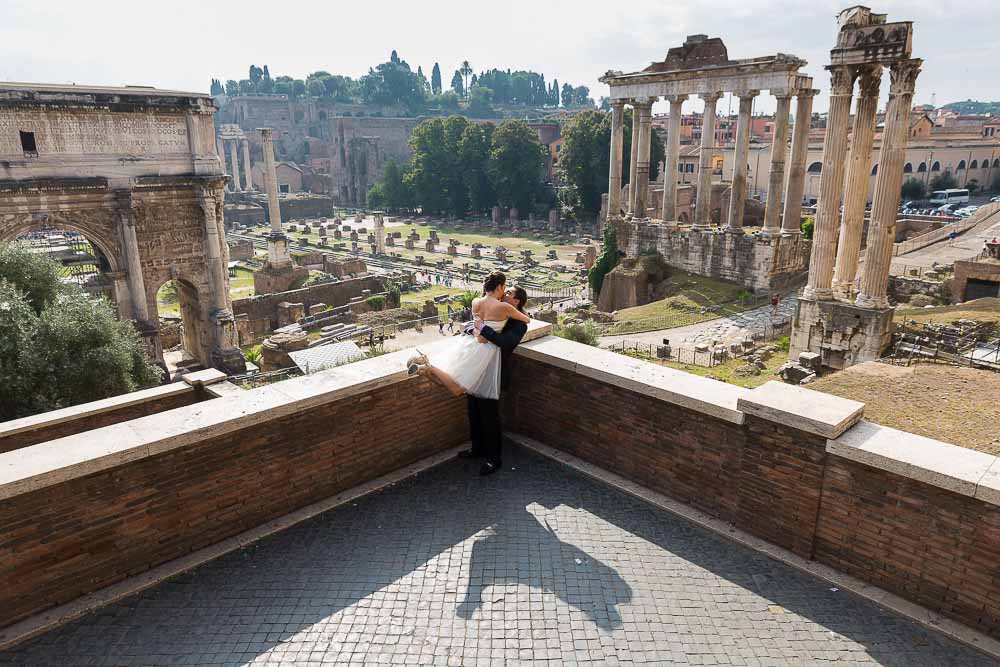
(485, 429)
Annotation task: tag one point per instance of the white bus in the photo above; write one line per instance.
(953, 196)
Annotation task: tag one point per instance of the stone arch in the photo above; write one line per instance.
(815, 168)
(996, 163)
(90, 227)
(936, 166)
(984, 163)
(922, 168)
(961, 165)
(907, 168)
(193, 302)
(874, 169)
(974, 164)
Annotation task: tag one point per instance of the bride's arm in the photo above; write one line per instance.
(513, 313)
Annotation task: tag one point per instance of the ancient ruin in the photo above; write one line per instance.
(849, 323)
(279, 273)
(233, 136)
(135, 171)
(769, 260)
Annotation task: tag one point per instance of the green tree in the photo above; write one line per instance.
(807, 226)
(232, 88)
(913, 189)
(516, 164)
(480, 99)
(396, 195)
(473, 162)
(436, 79)
(568, 95)
(376, 197)
(448, 100)
(585, 157)
(456, 84)
(298, 88)
(217, 88)
(58, 346)
(943, 181)
(606, 261)
(426, 177)
(465, 70)
(554, 96)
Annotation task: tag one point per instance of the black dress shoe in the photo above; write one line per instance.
(488, 469)
(469, 454)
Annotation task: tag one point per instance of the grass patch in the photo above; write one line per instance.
(241, 285)
(690, 294)
(415, 299)
(941, 401)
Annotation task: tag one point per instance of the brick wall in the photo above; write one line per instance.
(88, 422)
(75, 537)
(933, 546)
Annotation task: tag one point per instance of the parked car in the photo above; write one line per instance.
(948, 208)
(997, 198)
(966, 211)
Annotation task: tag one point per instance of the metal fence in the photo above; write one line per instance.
(708, 356)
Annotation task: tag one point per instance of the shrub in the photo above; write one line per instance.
(587, 333)
(783, 343)
(807, 227)
(607, 260)
(376, 302)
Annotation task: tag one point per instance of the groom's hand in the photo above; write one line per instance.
(479, 337)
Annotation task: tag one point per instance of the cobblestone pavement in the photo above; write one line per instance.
(535, 565)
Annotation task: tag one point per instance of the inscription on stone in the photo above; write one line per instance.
(74, 133)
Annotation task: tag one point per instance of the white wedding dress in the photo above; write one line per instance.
(473, 365)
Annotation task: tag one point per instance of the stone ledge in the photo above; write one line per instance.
(963, 471)
(44, 419)
(710, 397)
(803, 409)
(204, 378)
(56, 461)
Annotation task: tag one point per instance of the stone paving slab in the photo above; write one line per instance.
(535, 565)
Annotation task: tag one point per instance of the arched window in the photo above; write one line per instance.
(961, 165)
(922, 168)
(974, 164)
(874, 170)
(815, 168)
(985, 163)
(936, 166)
(907, 168)
(996, 163)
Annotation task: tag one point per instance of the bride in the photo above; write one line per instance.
(468, 366)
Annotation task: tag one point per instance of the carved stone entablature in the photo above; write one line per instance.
(874, 43)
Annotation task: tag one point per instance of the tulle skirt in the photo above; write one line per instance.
(473, 365)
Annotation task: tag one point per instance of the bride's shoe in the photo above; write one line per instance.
(416, 364)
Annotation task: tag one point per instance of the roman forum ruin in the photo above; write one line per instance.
(767, 260)
(845, 323)
(231, 135)
(135, 171)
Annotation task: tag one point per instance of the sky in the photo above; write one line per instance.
(183, 45)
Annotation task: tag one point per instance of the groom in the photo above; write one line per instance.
(484, 413)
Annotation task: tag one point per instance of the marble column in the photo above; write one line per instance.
(738, 198)
(672, 157)
(645, 111)
(217, 271)
(236, 166)
(791, 219)
(130, 244)
(703, 202)
(888, 183)
(856, 184)
(247, 178)
(831, 185)
(615, 166)
(277, 246)
(776, 177)
(633, 158)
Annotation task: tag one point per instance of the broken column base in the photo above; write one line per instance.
(273, 279)
(841, 333)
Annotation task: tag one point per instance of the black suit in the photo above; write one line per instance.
(484, 414)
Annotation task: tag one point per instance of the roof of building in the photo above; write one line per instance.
(315, 359)
(95, 90)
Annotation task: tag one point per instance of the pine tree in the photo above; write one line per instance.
(435, 79)
(456, 84)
